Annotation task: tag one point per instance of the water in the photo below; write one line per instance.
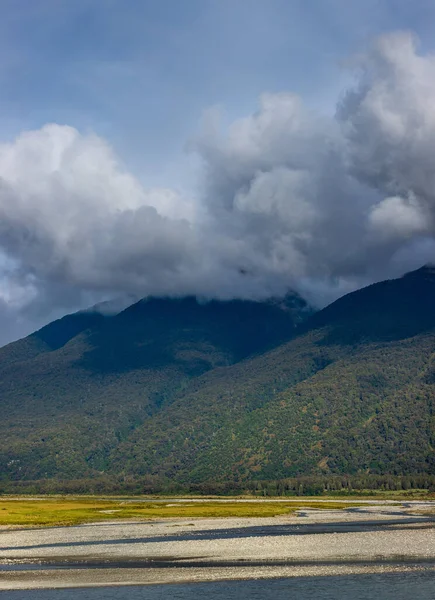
(391, 586)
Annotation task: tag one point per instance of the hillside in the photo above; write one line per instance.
(352, 393)
(184, 392)
(71, 392)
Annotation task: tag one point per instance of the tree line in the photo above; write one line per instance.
(295, 486)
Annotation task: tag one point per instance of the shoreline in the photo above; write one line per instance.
(363, 540)
(89, 578)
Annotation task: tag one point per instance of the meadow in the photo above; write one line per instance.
(52, 511)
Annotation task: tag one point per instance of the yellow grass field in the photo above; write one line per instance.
(51, 511)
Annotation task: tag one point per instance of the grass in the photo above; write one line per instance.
(74, 511)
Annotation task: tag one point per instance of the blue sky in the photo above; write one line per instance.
(140, 72)
(117, 177)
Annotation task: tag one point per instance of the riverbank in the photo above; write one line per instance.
(374, 538)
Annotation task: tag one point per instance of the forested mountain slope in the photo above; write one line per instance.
(195, 393)
(72, 391)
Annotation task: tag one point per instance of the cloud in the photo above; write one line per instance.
(72, 217)
(398, 218)
(389, 119)
(333, 202)
(289, 199)
(278, 181)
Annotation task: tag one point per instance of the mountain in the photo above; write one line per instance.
(179, 391)
(353, 392)
(72, 391)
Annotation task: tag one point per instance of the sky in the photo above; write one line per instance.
(223, 148)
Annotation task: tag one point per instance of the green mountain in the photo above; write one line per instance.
(73, 391)
(174, 390)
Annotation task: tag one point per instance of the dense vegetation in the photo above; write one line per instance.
(73, 391)
(226, 397)
(384, 486)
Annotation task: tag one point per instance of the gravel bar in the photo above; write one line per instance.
(368, 539)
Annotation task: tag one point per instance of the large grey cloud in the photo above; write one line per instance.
(288, 199)
(325, 204)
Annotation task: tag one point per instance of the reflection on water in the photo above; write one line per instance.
(391, 586)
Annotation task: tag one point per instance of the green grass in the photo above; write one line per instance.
(73, 511)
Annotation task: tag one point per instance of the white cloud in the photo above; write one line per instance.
(71, 215)
(289, 199)
(396, 217)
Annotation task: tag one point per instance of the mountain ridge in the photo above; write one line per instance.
(101, 383)
(350, 390)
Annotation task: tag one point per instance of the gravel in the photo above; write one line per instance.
(373, 538)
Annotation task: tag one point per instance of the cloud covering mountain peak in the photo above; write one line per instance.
(289, 199)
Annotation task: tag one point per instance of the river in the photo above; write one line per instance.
(389, 586)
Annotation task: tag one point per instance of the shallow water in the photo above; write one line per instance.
(391, 586)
